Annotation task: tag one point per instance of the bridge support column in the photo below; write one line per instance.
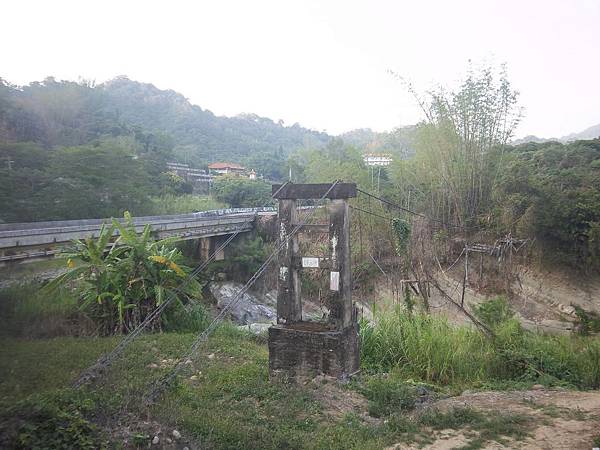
(208, 245)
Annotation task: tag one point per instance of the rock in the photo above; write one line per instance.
(169, 440)
(249, 308)
(211, 356)
(156, 440)
(185, 448)
(152, 366)
(194, 377)
(188, 361)
(256, 328)
(567, 309)
(537, 387)
(176, 434)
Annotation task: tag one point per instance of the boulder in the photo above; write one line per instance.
(249, 308)
(256, 328)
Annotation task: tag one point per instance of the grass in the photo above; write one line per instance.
(232, 404)
(429, 349)
(229, 404)
(389, 395)
(227, 401)
(555, 411)
(491, 426)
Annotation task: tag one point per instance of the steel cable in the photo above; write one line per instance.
(105, 360)
(162, 384)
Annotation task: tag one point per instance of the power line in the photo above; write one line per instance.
(159, 386)
(369, 212)
(410, 211)
(105, 360)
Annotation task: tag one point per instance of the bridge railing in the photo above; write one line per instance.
(140, 220)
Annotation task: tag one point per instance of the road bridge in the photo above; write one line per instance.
(32, 240)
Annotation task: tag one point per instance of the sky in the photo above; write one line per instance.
(322, 63)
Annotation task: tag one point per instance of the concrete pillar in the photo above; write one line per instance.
(204, 248)
(289, 306)
(340, 276)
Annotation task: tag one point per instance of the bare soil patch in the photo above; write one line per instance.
(561, 419)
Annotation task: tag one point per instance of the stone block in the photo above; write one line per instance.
(306, 349)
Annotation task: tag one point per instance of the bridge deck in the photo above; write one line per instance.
(35, 239)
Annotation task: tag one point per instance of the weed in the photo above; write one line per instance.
(388, 395)
(589, 321)
(494, 312)
(489, 426)
(51, 421)
(554, 411)
(455, 418)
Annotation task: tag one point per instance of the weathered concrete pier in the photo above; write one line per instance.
(298, 348)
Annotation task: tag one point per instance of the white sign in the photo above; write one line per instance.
(334, 281)
(310, 262)
(283, 271)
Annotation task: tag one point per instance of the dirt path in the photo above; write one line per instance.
(560, 419)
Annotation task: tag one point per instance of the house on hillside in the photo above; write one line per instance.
(225, 168)
(198, 178)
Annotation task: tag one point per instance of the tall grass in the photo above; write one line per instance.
(424, 347)
(26, 312)
(429, 349)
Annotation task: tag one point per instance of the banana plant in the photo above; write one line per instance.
(122, 276)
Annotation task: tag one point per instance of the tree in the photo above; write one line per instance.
(240, 192)
(94, 181)
(453, 170)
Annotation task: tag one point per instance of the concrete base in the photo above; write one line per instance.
(305, 350)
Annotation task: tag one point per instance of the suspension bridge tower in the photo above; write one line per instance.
(299, 348)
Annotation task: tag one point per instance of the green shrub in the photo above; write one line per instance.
(240, 191)
(494, 312)
(57, 420)
(245, 257)
(389, 395)
(186, 319)
(589, 321)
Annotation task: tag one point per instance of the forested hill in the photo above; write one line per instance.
(399, 142)
(199, 135)
(62, 113)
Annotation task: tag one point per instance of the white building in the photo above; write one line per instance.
(377, 159)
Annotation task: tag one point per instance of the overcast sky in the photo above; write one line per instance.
(321, 63)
